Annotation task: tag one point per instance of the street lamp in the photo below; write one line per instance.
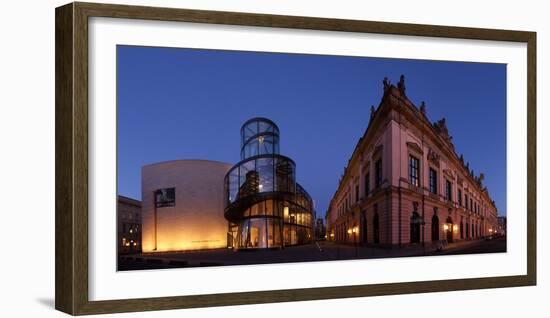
(354, 230)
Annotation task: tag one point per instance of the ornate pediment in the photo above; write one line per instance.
(423, 108)
(401, 85)
(441, 129)
(450, 173)
(433, 156)
(372, 113)
(415, 147)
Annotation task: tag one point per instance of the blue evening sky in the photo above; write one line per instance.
(190, 104)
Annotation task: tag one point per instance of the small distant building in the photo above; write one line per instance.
(501, 225)
(405, 184)
(128, 225)
(320, 229)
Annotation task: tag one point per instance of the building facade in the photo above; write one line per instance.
(265, 206)
(182, 205)
(501, 228)
(128, 225)
(320, 229)
(405, 184)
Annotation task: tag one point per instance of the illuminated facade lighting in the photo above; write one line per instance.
(265, 206)
(405, 184)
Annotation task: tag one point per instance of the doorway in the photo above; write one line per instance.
(364, 227)
(435, 228)
(376, 228)
(450, 226)
(415, 228)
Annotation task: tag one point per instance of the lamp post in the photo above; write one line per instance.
(354, 231)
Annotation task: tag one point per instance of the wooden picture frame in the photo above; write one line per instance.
(71, 124)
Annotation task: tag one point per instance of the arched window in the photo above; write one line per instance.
(435, 228)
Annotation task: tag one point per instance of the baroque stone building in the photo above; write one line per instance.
(405, 184)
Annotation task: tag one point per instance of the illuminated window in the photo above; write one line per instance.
(433, 181)
(414, 171)
(448, 190)
(378, 171)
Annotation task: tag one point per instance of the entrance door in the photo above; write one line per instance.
(415, 228)
(450, 226)
(376, 228)
(363, 228)
(435, 228)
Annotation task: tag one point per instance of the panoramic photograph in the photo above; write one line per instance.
(241, 158)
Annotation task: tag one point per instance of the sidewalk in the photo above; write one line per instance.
(323, 251)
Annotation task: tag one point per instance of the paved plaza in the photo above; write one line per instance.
(319, 251)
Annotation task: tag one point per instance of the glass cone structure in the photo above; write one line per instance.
(265, 206)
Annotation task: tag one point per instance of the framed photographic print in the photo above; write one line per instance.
(211, 158)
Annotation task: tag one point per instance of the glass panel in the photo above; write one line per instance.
(233, 185)
(269, 207)
(248, 179)
(270, 233)
(284, 170)
(251, 149)
(258, 233)
(292, 216)
(278, 208)
(265, 144)
(286, 234)
(276, 233)
(243, 234)
(286, 212)
(254, 210)
(299, 235)
(276, 145)
(265, 170)
(293, 235)
(264, 126)
(250, 130)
